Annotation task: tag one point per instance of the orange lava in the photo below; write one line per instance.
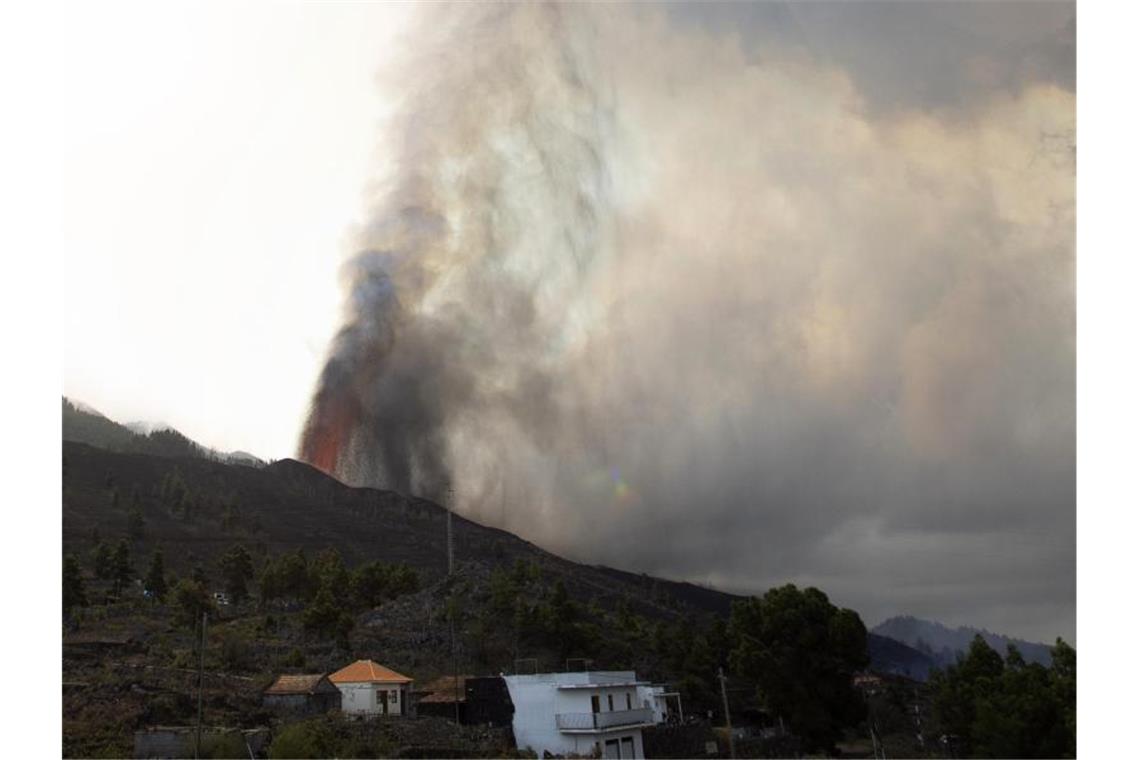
(327, 432)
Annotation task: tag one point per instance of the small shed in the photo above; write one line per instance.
(439, 698)
(305, 694)
(368, 688)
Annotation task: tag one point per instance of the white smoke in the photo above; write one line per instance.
(651, 300)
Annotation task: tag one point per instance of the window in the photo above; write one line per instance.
(610, 701)
(628, 701)
(595, 704)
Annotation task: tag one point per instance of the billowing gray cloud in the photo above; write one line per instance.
(728, 304)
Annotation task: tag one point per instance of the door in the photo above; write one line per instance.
(627, 746)
(612, 749)
(595, 704)
(382, 695)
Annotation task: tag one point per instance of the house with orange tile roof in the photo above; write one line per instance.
(368, 688)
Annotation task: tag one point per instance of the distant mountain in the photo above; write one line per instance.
(943, 644)
(84, 424)
(141, 427)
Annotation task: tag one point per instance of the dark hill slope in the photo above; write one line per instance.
(896, 658)
(85, 425)
(290, 505)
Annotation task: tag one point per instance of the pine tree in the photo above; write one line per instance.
(74, 589)
(103, 561)
(237, 568)
(122, 569)
(156, 576)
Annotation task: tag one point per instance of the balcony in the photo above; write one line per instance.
(603, 721)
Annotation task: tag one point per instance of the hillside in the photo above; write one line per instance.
(895, 658)
(128, 659)
(83, 424)
(290, 505)
(943, 644)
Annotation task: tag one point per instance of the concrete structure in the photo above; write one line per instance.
(370, 689)
(302, 694)
(666, 705)
(580, 713)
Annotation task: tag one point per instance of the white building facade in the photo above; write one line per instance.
(582, 713)
(369, 689)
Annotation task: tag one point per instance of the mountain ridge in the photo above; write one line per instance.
(944, 644)
(85, 424)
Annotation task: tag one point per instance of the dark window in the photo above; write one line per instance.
(628, 701)
(595, 704)
(610, 700)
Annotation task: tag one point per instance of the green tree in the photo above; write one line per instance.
(1008, 708)
(802, 652)
(103, 561)
(288, 577)
(370, 584)
(74, 589)
(328, 572)
(191, 600)
(156, 576)
(308, 739)
(1064, 684)
(122, 568)
(326, 619)
(237, 568)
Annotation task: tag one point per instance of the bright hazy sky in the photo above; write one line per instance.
(197, 137)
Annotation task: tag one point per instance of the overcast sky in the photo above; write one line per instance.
(824, 332)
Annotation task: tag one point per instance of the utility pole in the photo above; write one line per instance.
(450, 541)
(451, 611)
(201, 665)
(727, 718)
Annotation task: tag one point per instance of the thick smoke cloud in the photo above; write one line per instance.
(652, 297)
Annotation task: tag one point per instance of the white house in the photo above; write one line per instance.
(368, 688)
(666, 704)
(580, 713)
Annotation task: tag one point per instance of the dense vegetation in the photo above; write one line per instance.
(1005, 707)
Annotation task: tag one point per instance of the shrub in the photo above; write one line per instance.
(303, 740)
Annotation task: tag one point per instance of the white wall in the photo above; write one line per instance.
(365, 698)
(537, 700)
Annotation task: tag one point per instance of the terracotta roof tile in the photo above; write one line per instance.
(367, 671)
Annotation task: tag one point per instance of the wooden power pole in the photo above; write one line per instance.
(201, 666)
(727, 717)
